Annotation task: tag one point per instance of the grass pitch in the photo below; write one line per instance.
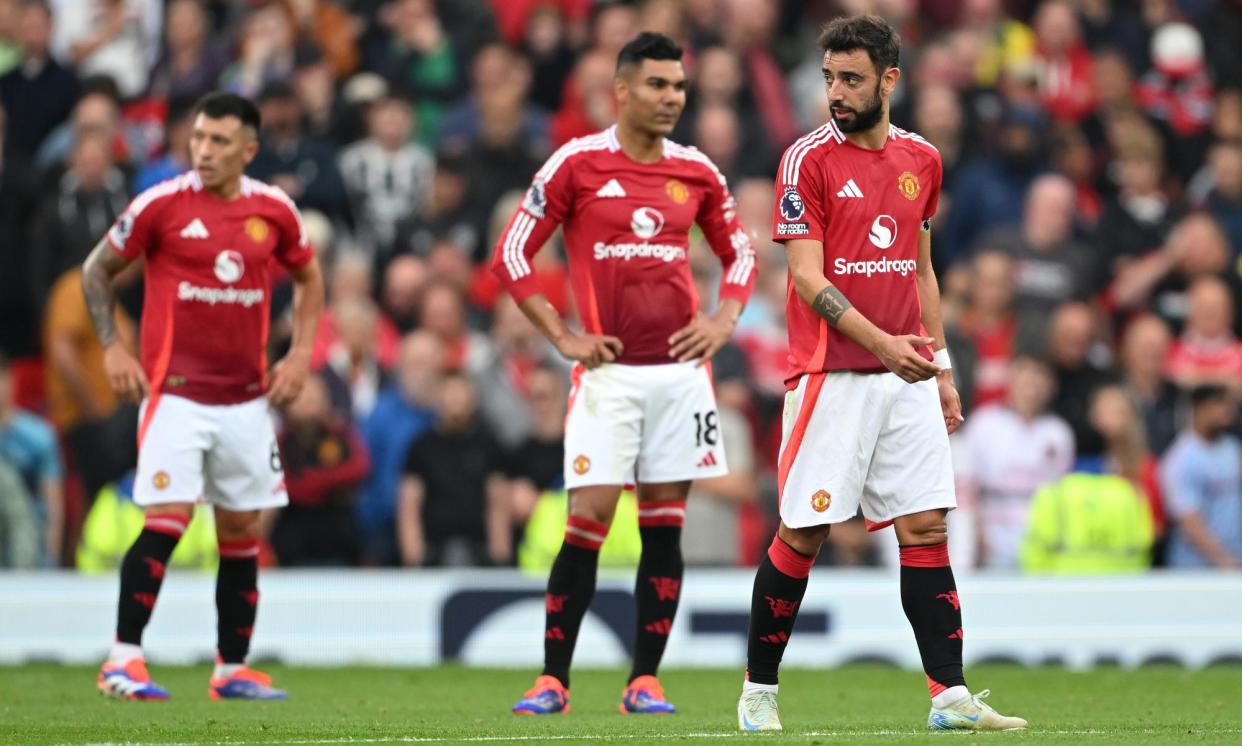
(48, 704)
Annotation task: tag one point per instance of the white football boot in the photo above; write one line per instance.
(757, 711)
(970, 713)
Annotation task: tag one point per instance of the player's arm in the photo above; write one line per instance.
(933, 322)
(289, 375)
(705, 335)
(546, 204)
(898, 353)
(124, 371)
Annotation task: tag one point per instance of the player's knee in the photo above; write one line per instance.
(922, 530)
(594, 504)
(806, 540)
(180, 509)
(237, 526)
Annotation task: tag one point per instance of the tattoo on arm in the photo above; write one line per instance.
(101, 266)
(832, 304)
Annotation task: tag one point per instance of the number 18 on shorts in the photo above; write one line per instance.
(642, 423)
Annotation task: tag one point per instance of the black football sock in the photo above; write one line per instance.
(142, 573)
(929, 597)
(657, 588)
(237, 598)
(780, 584)
(571, 585)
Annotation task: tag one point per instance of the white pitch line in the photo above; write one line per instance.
(628, 737)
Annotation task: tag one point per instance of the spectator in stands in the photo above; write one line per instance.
(1144, 350)
(989, 192)
(1050, 266)
(388, 176)
(938, 118)
(178, 125)
(350, 280)
(1065, 81)
(99, 431)
(315, 88)
(1079, 364)
(1177, 92)
(18, 316)
(1014, 448)
(1197, 247)
(304, 167)
(1071, 156)
(454, 507)
(38, 94)
(1113, 78)
(446, 216)
(1224, 201)
(28, 446)
(97, 113)
(404, 279)
(1116, 417)
(587, 105)
(500, 83)
(1088, 524)
(328, 28)
(749, 30)
(191, 61)
(1139, 218)
(420, 58)
(19, 524)
(1007, 42)
(116, 38)
(402, 413)
(718, 83)
(266, 46)
(352, 371)
(1202, 477)
(87, 200)
(991, 324)
(1207, 351)
(546, 44)
(537, 464)
(325, 461)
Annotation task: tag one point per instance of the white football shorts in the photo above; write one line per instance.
(225, 454)
(630, 424)
(862, 438)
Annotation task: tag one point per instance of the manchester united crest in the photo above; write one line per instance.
(908, 184)
(256, 229)
(161, 480)
(582, 465)
(677, 191)
(821, 500)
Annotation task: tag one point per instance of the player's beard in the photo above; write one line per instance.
(865, 118)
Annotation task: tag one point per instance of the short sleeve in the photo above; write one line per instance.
(1182, 483)
(135, 229)
(799, 208)
(293, 247)
(413, 465)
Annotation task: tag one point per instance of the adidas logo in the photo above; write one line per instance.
(660, 626)
(777, 638)
(850, 190)
(195, 229)
(611, 189)
(708, 460)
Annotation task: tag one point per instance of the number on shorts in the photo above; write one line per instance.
(706, 429)
(274, 459)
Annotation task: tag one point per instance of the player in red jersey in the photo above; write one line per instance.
(871, 399)
(642, 408)
(205, 430)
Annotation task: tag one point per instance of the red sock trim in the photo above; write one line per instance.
(662, 513)
(169, 524)
(934, 687)
(936, 555)
(239, 549)
(585, 533)
(789, 560)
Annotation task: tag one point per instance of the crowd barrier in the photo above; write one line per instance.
(495, 618)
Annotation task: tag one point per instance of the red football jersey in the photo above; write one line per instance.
(208, 282)
(867, 206)
(627, 230)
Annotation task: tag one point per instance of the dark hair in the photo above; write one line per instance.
(648, 46)
(220, 105)
(869, 32)
(1207, 393)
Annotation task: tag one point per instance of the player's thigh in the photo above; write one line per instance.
(681, 438)
(174, 436)
(830, 432)
(243, 470)
(912, 469)
(603, 427)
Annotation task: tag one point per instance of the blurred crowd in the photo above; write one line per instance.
(1088, 246)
